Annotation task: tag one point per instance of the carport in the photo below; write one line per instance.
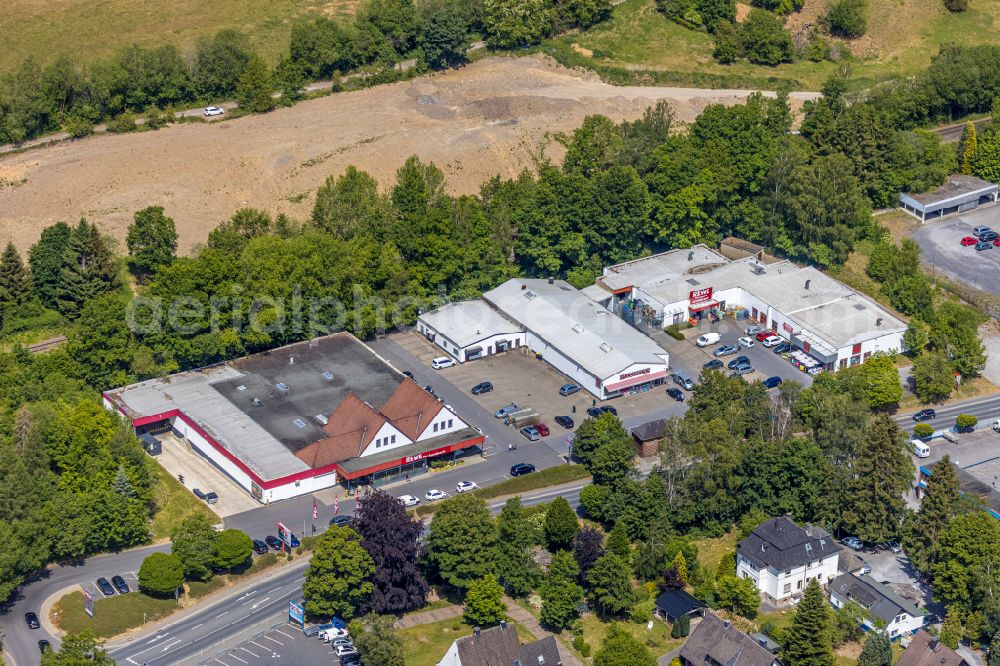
(961, 193)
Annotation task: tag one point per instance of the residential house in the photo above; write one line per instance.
(500, 646)
(882, 607)
(926, 650)
(782, 557)
(675, 603)
(716, 642)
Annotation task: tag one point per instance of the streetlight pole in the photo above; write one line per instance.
(274, 656)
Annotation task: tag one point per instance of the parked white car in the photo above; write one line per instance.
(409, 500)
(345, 649)
(771, 341)
(465, 486)
(435, 494)
(442, 362)
(747, 342)
(213, 111)
(334, 634)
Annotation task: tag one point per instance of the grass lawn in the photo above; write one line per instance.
(710, 551)
(112, 615)
(427, 643)
(658, 640)
(970, 388)
(174, 503)
(198, 589)
(903, 36)
(89, 30)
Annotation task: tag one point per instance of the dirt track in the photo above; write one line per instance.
(485, 119)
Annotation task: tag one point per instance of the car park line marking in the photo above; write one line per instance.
(238, 659)
(221, 662)
(262, 647)
(284, 634)
(273, 641)
(246, 650)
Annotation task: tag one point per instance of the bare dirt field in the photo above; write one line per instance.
(488, 118)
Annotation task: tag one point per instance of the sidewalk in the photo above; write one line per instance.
(428, 617)
(528, 620)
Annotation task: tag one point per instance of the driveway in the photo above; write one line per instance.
(939, 242)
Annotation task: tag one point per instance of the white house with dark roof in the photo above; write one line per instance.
(782, 557)
(501, 646)
(882, 607)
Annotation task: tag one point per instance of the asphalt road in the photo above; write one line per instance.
(985, 409)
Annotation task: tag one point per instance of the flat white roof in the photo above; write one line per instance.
(467, 322)
(572, 323)
(821, 305)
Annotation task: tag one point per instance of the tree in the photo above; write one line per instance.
(965, 573)
(561, 524)
(377, 640)
(967, 148)
(232, 549)
(965, 422)
(764, 39)
(445, 36)
(88, 270)
(917, 336)
(975, 626)
(594, 434)
(951, 628)
(923, 430)
(15, 281)
(620, 648)
(484, 604)
(881, 381)
(739, 595)
(588, 546)
(848, 18)
(939, 505)
(877, 650)
(80, 649)
(396, 20)
(103, 343)
(219, 63)
(193, 541)
(808, 640)
(994, 652)
(46, 259)
(511, 24)
(561, 593)
(255, 86)
(613, 462)
(873, 506)
(151, 240)
(518, 571)
(619, 541)
(391, 538)
(339, 575)
(680, 568)
(461, 547)
(161, 574)
(933, 378)
(610, 585)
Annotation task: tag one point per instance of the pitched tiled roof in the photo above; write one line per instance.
(499, 646)
(411, 408)
(925, 650)
(874, 597)
(782, 544)
(350, 428)
(717, 642)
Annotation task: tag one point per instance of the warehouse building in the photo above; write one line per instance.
(831, 325)
(581, 339)
(469, 330)
(961, 193)
(301, 418)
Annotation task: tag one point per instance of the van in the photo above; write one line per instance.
(996, 425)
(707, 339)
(920, 448)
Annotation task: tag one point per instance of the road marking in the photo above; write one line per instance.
(262, 647)
(246, 650)
(156, 638)
(197, 625)
(284, 634)
(254, 607)
(249, 601)
(222, 613)
(167, 646)
(274, 590)
(221, 662)
(247, 595)
(298, 580)
(273, 641)
(238, 659)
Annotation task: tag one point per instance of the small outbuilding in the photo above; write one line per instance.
(674, 604)
(647, 437)
(959, 194)
(469, 330)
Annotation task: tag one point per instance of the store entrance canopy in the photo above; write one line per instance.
(705, 305)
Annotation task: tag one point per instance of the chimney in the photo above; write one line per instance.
(475, 631)
(291, 360)
(807, 284)
(503, 625)
(691, 255)
(552, 280)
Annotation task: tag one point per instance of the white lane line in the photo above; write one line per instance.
(284, 634)
(238, 659)
(254, 607)
(246, 650)
(273, 641)
(197, 625)
(262, 647)
(273, 591)
(222, 613)
(167, 646)
(299, 580)
(249, 601)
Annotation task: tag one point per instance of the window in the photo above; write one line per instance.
(753, 314)
(450, 421)
(378, 443)
(798, 585)
(435, 427)
(788, 588)
(843, 363)
(392, 440)
(856, 349)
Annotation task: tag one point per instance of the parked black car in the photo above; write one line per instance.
(31, 619)
(772, 382)
(676, 393)
(341, 521)
(259, 547)
(120, 585)
(564, 421)
(274, 542)
(739, 360)
(520, 469)
(782, 348)
(197, 493)
(597, 411)
(482, 387)
(714, 364)
(925, 415)
(105, 587)
(408, 374)
(44, 646)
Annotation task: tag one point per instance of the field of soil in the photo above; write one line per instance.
(488, 118)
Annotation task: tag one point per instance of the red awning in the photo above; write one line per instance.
(707, 305)
(635, 381)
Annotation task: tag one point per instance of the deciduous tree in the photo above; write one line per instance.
(377, 640)
(933, 378)
(516, 566)
(588, 546)
(233, 548)
(339, 575)
(484, 604)
(161, 574)
(620, 648)
(151, 240)
(462, 543)
(193, 541)
(80, 649)
(391, 538)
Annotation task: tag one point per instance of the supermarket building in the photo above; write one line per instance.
(301, 418)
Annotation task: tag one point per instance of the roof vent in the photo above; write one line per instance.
(691, 255)
(530, 294)
(807, 284)
(605, 347)
(256, 401)
(878, 322)
(291, 360)
(321, 419)
(822, 543)
(328, 376)
(578, 328)
(809, 547)
(758, 268)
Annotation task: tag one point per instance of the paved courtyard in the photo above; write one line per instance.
(939, 242)
(283, 645)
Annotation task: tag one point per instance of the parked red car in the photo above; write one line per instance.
(764, 335)
(996, 242)
(542, 429)
(969, 241)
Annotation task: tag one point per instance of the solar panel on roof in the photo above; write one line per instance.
(281, 386)
(328, 376)
(299, 422)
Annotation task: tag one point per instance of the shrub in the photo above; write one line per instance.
(161, 574)
(123, 123)
(965, 422)
(922, 430)
(78, 127)
(155, 118)
(642, 613)
(816, 49)
(847, 18)
(956, 5)
(765, 40)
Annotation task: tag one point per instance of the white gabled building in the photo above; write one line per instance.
(781, 557)
(468, 330)
(881, 607)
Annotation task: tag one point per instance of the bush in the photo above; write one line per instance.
(155, 119)
(765, 40)
(966, 422)
(816, 49)
(922, 430)
(123, 124)
(642, 613)
(161, 574)
(674, 330)
(847, 18)
(956, 5)
(78, 127)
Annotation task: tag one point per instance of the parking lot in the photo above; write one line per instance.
(279, 646)
(179, 459)
(940, 244)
